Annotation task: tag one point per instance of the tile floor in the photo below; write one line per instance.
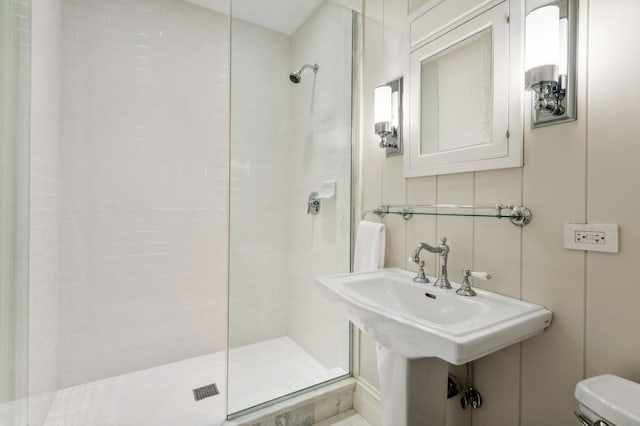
(162, 396)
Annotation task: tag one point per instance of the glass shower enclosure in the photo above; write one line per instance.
(291, 97)
(164, 249)
(15, 38)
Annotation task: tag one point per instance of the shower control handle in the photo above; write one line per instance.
(313, 204)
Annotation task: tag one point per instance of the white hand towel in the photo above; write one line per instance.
(369, 251)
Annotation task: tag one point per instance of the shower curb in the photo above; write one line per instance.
(303, 410)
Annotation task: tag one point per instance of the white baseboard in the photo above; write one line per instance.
(366, 401)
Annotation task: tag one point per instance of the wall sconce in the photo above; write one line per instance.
(388, 116)
(550, 60)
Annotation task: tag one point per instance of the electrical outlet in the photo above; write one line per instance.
(592, 237)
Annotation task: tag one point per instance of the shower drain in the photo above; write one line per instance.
(205, 392)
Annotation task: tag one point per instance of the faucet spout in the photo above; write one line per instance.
(424, 246)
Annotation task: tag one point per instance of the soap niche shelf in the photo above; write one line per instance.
(518, 215)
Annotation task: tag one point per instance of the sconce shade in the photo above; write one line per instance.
(563, 47)
(543, 37)
(382, 100)
(395, 109)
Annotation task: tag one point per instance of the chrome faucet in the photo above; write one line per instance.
(443, 250)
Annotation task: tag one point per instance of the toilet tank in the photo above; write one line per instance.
(610, 398)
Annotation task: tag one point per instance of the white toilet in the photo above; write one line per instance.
(608, 401)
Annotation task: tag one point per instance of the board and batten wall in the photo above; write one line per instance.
(582, 171)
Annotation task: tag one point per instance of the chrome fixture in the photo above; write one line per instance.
(586, 422)
(327, 192)
(453, 386)
(550, 61)
(296, 76)
(471, 397)
(465, 289)
(388, 116)
(443, 250)
(519, 215)
(421, 277)
(313, 204)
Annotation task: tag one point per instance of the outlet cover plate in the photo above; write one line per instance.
(591, 237)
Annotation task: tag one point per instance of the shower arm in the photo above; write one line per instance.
(305, 66)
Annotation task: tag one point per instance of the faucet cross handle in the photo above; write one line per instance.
(465, 289)
(421, 277)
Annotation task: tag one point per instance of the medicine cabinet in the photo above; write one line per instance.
(466, 87)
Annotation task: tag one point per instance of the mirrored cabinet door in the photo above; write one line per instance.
(462, 71)
(463, 91)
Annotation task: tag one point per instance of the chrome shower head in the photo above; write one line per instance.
(296, 76)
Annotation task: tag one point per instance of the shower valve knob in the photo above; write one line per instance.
(313, 207)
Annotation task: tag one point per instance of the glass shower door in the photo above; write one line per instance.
(14, 209)
(290, 136)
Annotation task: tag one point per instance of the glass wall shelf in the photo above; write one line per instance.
(519, 215)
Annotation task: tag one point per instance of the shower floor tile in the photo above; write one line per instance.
(159, 396)
(268, 370)
(162, 396)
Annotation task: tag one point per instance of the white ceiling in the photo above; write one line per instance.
(284, 16)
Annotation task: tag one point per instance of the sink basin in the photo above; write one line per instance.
(420, 320)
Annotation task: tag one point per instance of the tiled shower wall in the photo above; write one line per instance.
(144, 145)
(574, 172)
(45, 208)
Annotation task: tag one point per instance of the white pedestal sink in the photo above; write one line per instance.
(420, 328)
(413, 392)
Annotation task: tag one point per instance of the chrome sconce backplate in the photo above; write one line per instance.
(553, 90)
